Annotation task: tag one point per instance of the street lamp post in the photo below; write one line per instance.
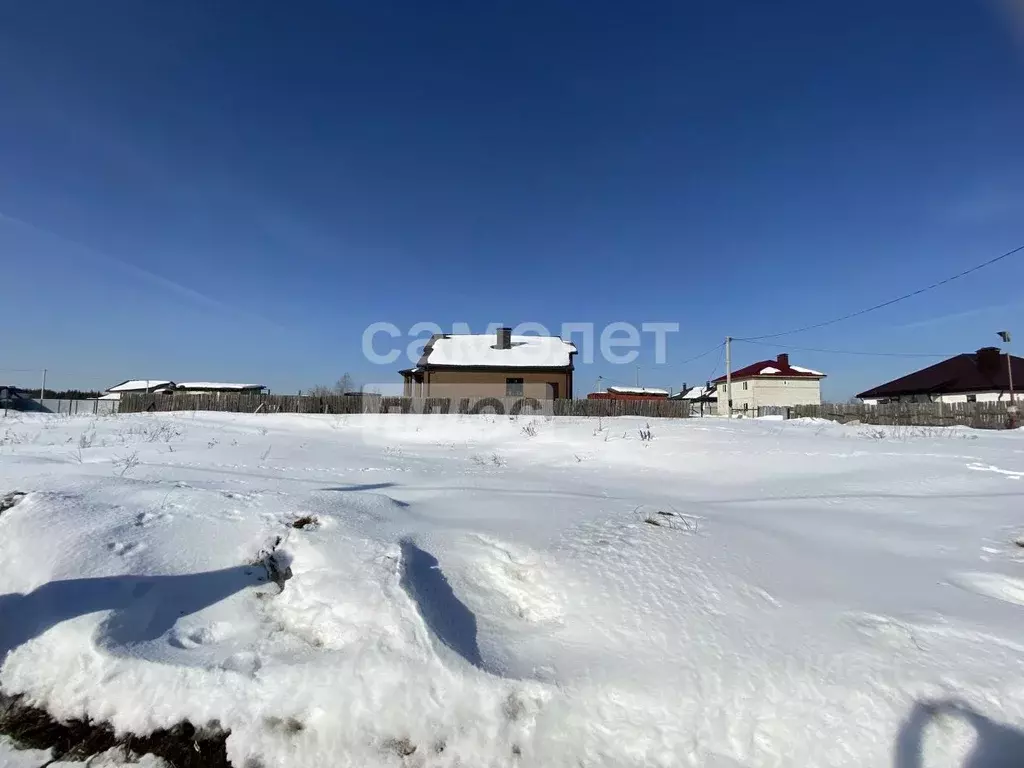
(1011, 409)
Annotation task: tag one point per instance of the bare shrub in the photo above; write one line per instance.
(646, 435)
(127, 463)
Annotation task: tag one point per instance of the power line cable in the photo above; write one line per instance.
(719, 363)
(898, 299)
(702, 354)
(848, 351)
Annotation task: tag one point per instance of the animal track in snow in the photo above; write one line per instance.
(125, 547)
(147, 518)
(515, 574)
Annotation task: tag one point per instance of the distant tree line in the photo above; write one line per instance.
(61, 394)
(341, 387)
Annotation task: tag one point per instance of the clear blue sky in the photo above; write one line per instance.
(234, 191)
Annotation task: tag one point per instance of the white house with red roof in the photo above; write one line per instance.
(770, 382)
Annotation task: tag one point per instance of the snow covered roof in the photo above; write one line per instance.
(110, 396)
(637, 391)
(778, 368)
(801, 369)
(698, 393)
(141, 385)
(472, 350)
(217, 385)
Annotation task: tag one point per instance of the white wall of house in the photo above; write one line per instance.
(980, 397)
(749, 394)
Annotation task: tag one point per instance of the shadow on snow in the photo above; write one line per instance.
(995, 745)
(143, 607)
(450, 620)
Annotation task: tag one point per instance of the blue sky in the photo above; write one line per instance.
(234, 191)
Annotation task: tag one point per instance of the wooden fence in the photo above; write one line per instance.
(978, 415)
(348, 404)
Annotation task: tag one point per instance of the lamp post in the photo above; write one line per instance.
(1011, 409)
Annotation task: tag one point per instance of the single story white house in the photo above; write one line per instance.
(139, 386)
(979, 377)
(767, 383)
(649, 391)
(702, 399)
(167, 387)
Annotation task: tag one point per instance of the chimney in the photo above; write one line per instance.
(504, 338)
(783, 361)
(685, 389)
(989, 361)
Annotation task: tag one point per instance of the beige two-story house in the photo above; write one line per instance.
(769, 382)
(498, 365)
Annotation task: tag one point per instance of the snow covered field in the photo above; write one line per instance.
(486, 591)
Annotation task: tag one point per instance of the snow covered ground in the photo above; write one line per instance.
(487, 591)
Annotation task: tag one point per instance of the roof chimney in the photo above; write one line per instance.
(685, 389)
(989, 360)
(504, 338)
(783, 361)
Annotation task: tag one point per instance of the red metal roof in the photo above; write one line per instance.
(780, 369)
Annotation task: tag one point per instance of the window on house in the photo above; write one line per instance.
(972, 398)
(513, 387)
(746, 406)
(745, 384)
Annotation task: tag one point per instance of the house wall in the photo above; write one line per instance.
(980, 397)
(769, 391)
(492, 383)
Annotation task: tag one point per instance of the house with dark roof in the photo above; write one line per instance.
(703, 399)
(770, 383)
(492, 365)
(979, 377)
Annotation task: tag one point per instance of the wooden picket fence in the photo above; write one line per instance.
(350, 404)
(977, 415)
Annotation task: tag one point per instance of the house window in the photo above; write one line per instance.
(972, 398)
(745, 384)
(513, 387)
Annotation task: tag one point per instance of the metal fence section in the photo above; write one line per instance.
(348, 404)
(977, 415)
(68, 407)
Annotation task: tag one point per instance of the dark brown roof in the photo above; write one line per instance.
(779, 368)
(981, 371)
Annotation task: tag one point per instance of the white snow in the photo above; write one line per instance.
(637, 391)
(769, 369)
(216, 385)
(141, 385)
(801, 369)
(805, 593)
(479, 349)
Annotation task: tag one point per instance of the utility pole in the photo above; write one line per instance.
(42, 389)
(638, 376)
(728, 375)
(1011, 409)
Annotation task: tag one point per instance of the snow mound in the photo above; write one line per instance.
(459, 594)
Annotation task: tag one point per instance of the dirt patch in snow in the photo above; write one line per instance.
(183, 746)
(8, 500)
